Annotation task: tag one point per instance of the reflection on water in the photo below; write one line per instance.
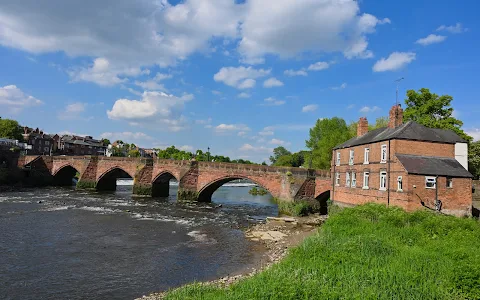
(63, 244)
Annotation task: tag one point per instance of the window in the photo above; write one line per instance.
(46, 149)
(337, 178)
(366, 177)
(347, 179)
(350, 161)
(383, 158)
(354, 179)
(449, 182)
(338, 158)
(383, 180)
(399, 183)
(366, 156)
(430, 182)
(47, 143)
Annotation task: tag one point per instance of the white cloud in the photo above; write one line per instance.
(250, 148)
(244, 95)
(475, 133)
(279, 142)
(126, 136)
(266, 132)
(186, 148)
(15, 100)
(270, 101)
(222, 128)
(309, 108)
(340, 87)
(395, 61)
(295, 27)
(457, 28)
(318, 66)
(154, 109)
(240, 77)
(153, 84)
(216, 92)
(367, 109)
(292, 73)
(272, 82)
(203, 122)
(351, 106)
(431, 39)
(242, 133)
(73, 112)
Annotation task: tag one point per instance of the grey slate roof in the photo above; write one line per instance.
(407, 131)
(432, 165)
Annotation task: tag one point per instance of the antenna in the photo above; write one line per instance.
(396, 96)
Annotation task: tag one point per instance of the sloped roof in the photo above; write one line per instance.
(407, 131)
(432, 165)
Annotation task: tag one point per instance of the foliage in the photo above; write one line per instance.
(105, 142)
(10, 129)
(296, 209)
(173, 153)
(379, 123)
(474, 159)
(187, 195)
(369, 252)
(279, 152)
(257, 191)
(134, 153)
(142, 190)
(87, 185)
(325, 135)
(433, 111)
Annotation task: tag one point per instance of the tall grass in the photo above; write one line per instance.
(369, 252)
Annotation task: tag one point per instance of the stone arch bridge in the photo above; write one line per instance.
(197, 180)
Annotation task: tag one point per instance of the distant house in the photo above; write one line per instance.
(80, 145)
(150, 153)
(41, 143)
(403, 164)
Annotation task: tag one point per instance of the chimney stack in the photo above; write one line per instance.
(396, 116)
(362, 126)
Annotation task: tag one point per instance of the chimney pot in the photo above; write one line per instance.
(362, 126)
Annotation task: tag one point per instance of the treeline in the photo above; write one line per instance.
(422, 106)
(173, 153)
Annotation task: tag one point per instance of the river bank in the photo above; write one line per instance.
(368, 252)
(277, 235)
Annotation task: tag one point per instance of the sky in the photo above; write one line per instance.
(240, 77)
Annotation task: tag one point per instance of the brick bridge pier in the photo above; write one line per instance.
(197, 180)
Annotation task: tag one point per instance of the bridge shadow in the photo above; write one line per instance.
(323, 202)
(66, 176)
(108, 182)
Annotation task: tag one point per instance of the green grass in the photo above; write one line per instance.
(296, 209)
(369, 252)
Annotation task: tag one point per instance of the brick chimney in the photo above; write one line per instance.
(396, 116)
(362, 126)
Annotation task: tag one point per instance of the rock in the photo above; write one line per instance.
(40, 201)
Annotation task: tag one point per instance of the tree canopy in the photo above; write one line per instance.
(325, 135)
(10, 129)
(432, 110)
(474, 159)
(279, 152)
(284, 158)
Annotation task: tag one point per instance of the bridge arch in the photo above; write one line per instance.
(161, 184)
(205, 194)
(107, 181)
(64, 175)
(322, 199)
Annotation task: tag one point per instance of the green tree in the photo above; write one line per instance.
(433, 111)
(474, 159)
(10, 129)
(134, 153)
(278, 152)
(379, 123)
(324, 136)
(105, 142)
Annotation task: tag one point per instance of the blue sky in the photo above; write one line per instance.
(240, 77)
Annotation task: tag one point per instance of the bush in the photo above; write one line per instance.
(296, 209)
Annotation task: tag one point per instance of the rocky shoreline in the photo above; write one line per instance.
(278, 235)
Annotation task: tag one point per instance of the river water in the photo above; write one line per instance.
(58, 243)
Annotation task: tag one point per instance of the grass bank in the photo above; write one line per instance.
(369, 252)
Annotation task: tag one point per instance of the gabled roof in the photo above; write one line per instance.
(432, 165)
(407, 131)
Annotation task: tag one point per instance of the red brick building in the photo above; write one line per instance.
(403, 164)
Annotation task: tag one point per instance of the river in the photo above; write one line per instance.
(58, 243)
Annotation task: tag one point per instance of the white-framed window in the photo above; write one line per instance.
(430, 182)
(366, 156)
(347, 179)
(449, 182)
(338, 158)
(337, 178)
(399, 183)
(352, 154)
(47, 143)
(354, 179)
(383, 157)
(383, 180)
(366, 179)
